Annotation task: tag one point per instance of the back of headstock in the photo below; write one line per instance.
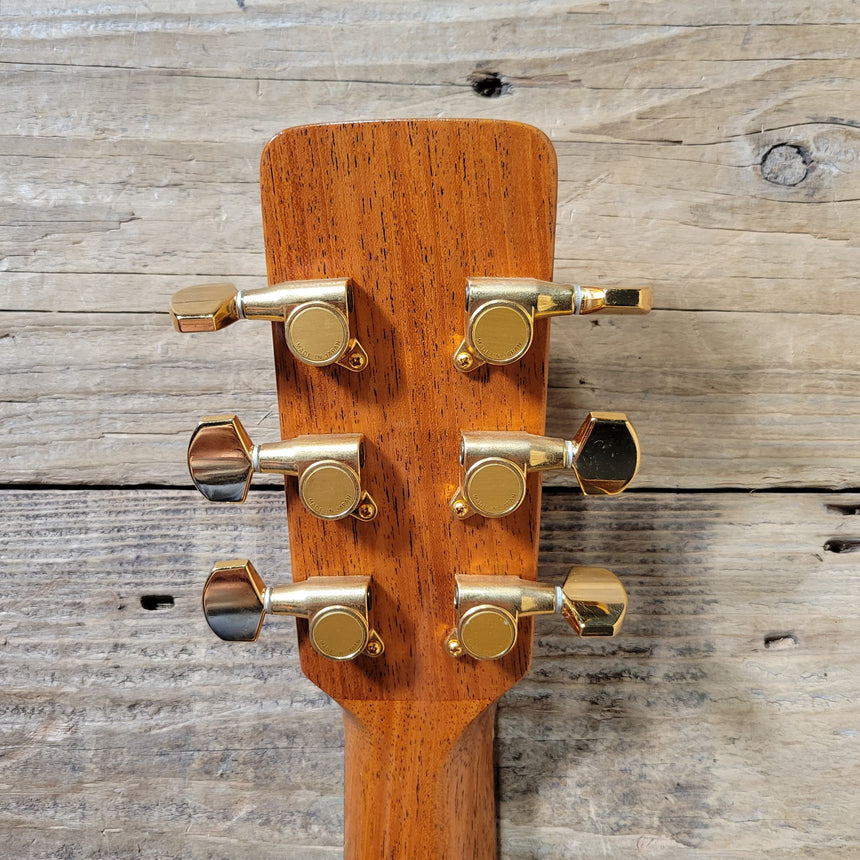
(410, 211)
(409, 262)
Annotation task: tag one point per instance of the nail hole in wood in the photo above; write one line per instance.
(786, 164)
(780, 641)
(842, 545)
(153, 602)
(845, 510)
(489, 84)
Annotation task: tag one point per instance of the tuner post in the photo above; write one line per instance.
(500, 314)
(604, 456)
(222, 458)
(592, 600)
(316, 316)
(235, 602)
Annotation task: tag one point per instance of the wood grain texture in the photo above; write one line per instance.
(718, 399)
(419, 779)
(410, 211)
(134, 733)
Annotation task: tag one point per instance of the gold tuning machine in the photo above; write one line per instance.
(316, 316)
(592, 600)
(235, 601)
(222, 458)
(500, 314)
(604, 456)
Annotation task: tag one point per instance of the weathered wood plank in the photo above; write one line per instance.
(698, 222)
(135, 174)
(247, 37)
(722, 722)
(719, 399)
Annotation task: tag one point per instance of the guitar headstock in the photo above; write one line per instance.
(411, 264)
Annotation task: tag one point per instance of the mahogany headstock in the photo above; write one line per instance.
(410, 211)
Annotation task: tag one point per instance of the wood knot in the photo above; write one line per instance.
(780, 641)
(786, 164)
(842, 545)
(489, 84)
(154, 602)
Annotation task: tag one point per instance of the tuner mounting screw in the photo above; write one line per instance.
(453, 646)
(357, 361)
(461, 509)
(373, 648)
(366, 509)
(464, 361)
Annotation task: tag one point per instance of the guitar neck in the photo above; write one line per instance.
(419, 780)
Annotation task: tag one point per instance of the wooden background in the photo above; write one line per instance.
(707, 149)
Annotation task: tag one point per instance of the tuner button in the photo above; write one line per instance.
(615, 300)
(206, 307)
(219, 459)
(500, 314)
(233, 601)
(487, 632)
(494, 487)
(330, 490)
(594, 601)
(500, 332)
(606, 453)
(339, 633)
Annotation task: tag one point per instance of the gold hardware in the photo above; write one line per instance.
(222, 458)
(500, 314)
(592, 600)
(315, 316)
(366, 509)
(453, 646)
(494, 486)
(604, 456)
(487, 632)
(235, 601)
(464, 361)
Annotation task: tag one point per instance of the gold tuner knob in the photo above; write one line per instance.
(500, 314)
(316, 316)
(592, 600)
(222, 458)
(604, 456)
(235, 601)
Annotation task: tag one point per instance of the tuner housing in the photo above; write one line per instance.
(592, 600)
(604, 456)
(222, 458)
(235, 602)
(500, 314)
(316, 315)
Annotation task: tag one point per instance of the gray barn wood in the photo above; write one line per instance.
(707, 149)
(723, 723)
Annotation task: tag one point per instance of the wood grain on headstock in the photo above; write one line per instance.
(409, 210)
